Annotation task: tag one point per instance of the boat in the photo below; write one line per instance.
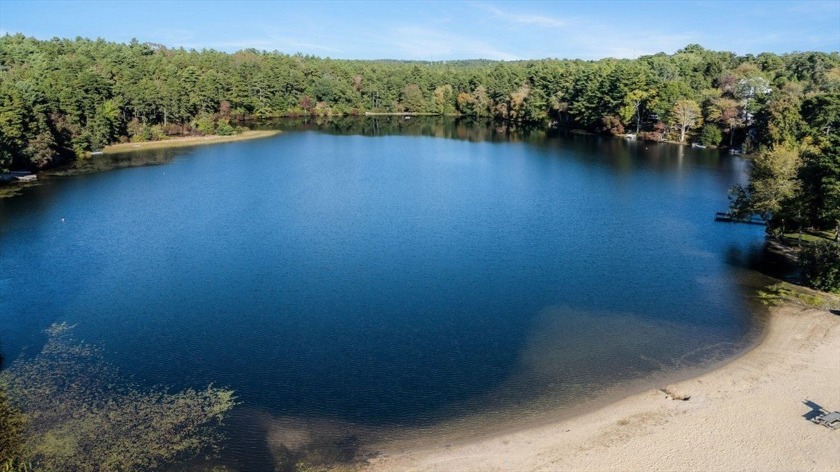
(698, 146)
(630, 136)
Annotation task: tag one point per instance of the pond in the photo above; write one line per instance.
(388, 274)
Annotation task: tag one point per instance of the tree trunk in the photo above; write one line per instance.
(682, 134)
(638, 118)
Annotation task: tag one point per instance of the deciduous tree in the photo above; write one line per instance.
(686, 114)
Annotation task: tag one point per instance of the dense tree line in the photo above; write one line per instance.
(61, 98)
(65, 97)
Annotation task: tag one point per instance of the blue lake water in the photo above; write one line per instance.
(402, 279)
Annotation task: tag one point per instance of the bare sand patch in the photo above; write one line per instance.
(750, 414)
(187, 141)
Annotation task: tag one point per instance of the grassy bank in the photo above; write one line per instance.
(187, 141)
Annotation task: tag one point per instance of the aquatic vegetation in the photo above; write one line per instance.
(12, 434)
(80, 415)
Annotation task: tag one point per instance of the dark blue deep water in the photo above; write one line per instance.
(399, 279)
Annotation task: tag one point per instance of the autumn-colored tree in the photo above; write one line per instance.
(686, 114)
(443, 99)
(612, 124)
(464, 103)
(480, 100)
(726, 112)
(517, 101)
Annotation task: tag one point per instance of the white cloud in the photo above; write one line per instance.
(525, 19)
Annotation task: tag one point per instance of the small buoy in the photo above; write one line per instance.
(62, 220)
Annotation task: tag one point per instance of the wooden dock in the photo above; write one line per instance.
(729, 218)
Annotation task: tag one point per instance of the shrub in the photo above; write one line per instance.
(173, 129)
(654, 136)
(612, 124)
(204, 124)
(711, 135)
(135, 129)
(820, 265)
(149, 133)
(225, 129)
(322, 109)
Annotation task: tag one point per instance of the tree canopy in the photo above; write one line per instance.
(63, 97)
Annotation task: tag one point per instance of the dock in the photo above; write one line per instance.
(17, 176)
(730, 218)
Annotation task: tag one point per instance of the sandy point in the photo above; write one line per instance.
(188, 141)
(749, 415)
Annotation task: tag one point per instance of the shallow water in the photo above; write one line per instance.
(386, 275)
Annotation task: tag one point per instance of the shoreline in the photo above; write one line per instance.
(746, 414)
(185, 141)
(403, 113)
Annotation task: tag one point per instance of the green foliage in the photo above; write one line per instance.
(225, 129)
(152, 133)
(773, 182)
(820, 265)
(83, 417)
(711, 135)
(784, 292)
(634, 103)
(205, 124)
(412, 99)
(40, 149)
(779, 122)
(62, 96)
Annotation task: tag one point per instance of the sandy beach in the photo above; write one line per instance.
(188, 141)
(748, 415)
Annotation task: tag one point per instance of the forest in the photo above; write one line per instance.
(62, 98)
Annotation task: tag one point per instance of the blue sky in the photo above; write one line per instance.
(440, 30)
